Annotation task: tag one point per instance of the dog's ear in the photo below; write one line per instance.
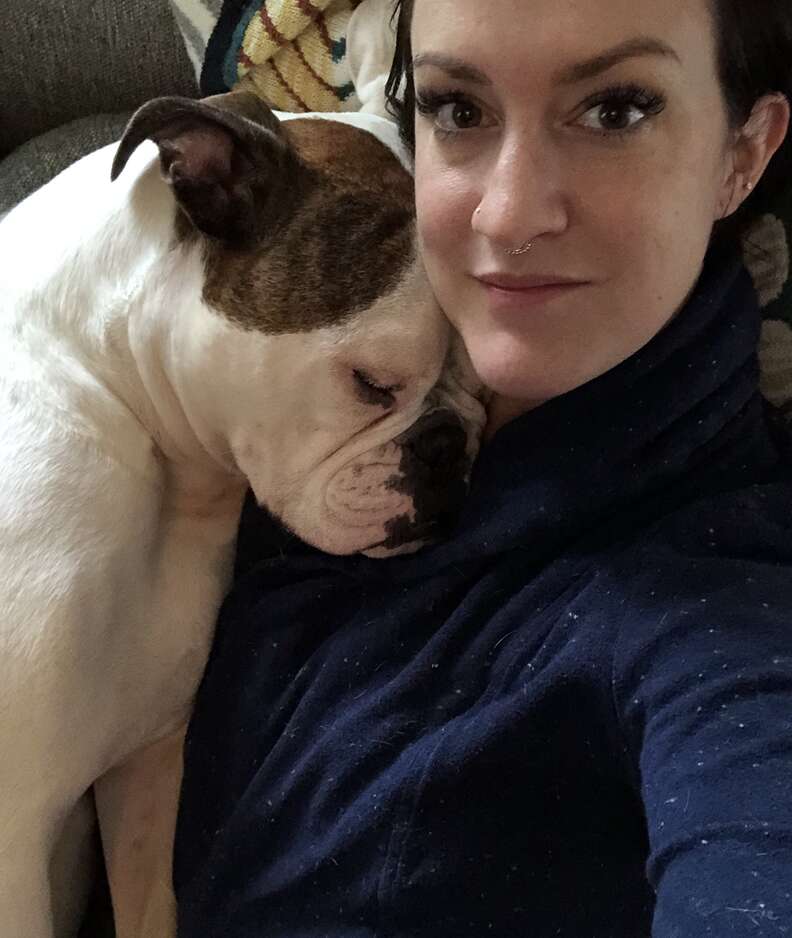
(224, 157)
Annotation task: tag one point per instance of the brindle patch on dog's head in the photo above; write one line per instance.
(224, 158)
(303, 222)
(346, 239)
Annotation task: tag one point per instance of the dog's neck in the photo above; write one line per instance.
(136, 269)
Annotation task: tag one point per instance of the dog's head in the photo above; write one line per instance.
(314, 356)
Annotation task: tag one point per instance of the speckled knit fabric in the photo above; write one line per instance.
(570, 719)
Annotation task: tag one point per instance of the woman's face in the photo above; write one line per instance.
(597, 131)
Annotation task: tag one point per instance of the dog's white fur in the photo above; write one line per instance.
(131, 418)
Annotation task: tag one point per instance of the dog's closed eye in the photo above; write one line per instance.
(371, 391)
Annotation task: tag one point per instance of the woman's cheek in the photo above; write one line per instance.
(445, 203)
(440, 266)
(435, 220)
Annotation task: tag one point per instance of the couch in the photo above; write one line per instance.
(71, 73)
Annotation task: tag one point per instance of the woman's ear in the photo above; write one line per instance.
(754, 146)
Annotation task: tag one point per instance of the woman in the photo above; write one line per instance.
(575, 718)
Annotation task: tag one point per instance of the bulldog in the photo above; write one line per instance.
(242, 307)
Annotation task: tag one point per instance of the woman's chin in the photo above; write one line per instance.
(515, 377)
(521, 371)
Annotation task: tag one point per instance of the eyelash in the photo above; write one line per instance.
(380, 394)
(429, 103)
(623, 95)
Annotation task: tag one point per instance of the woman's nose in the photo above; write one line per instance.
(523, 197)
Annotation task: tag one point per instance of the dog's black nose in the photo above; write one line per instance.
(434, 469)
(441, 447)
(440, 442)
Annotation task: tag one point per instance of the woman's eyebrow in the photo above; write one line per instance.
(632, 48)
(453, 67)
(590, 68)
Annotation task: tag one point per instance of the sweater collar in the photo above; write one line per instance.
(682, 412)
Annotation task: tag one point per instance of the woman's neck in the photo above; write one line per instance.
(502, 410)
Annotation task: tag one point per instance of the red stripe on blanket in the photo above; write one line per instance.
(321, 25)
(308, 9)
(289, 90)
(318, 78)
(271, 28)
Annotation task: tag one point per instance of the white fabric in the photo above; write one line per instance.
(371, 42)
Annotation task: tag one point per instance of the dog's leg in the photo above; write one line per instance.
(72, 867)
(137, 804)
(25, 897)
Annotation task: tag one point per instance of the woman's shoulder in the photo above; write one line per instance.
(722, 530)
(710, 583)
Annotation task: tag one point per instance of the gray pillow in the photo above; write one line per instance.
(65, 59)
(42, 158)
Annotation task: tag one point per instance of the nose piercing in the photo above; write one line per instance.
(524, 249)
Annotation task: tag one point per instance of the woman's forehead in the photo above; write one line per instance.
(561, 37)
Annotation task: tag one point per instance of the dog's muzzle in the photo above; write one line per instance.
(433, 472)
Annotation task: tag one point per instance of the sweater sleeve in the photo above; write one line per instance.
(703, 686)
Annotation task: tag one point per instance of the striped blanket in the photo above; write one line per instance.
(292, 53)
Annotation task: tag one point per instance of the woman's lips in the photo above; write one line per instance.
(520, 292)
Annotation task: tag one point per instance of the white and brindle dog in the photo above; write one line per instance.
(244, 305)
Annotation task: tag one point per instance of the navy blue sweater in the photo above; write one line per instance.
(574, 718)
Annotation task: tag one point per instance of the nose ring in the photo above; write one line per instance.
(524, 249)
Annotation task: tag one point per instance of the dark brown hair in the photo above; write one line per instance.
(754, 59)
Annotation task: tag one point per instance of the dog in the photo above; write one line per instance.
(243, 306)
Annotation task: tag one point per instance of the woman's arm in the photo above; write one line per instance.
(705, 696)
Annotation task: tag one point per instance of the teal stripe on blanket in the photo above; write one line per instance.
(231, 58)
(338, 49)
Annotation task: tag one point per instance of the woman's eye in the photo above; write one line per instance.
(621, 110)
(613, 117)
(450, 112)
(459, 115)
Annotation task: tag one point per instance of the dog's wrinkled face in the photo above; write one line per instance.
(337, 385)
(371, 440)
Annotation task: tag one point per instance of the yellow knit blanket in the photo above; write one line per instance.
(293, 55)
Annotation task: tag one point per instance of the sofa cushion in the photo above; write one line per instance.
(64, 59)
(37, 161)
(766, 249)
